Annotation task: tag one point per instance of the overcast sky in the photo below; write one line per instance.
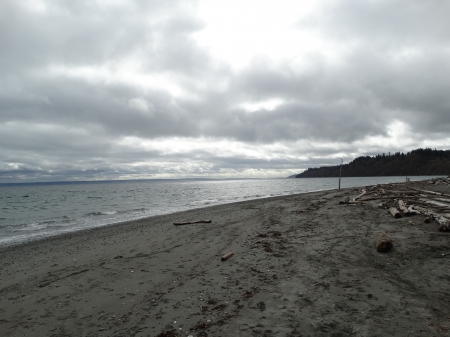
(178, 88)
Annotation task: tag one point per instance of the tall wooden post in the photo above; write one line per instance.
(340, 172)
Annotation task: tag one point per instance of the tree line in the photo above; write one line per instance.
(417, 162)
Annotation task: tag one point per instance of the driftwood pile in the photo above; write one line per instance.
(402, 199)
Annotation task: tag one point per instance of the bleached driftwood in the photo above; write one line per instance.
(401, 192)
(412, 210)
(359, 196)
(429, 192)
(395, 213)
(436, 203)
(444, 200)
(403, 208)
(440, 219)
(345, 200)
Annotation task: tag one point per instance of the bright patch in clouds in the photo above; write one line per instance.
(236, 31)
(270, 104)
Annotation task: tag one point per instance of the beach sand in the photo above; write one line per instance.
(303, 265)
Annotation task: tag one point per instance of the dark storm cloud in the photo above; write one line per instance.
(66, 104)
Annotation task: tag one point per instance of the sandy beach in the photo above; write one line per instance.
(302, 265)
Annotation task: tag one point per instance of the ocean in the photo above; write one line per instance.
(34, 211)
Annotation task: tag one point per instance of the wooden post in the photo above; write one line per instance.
(340, 172)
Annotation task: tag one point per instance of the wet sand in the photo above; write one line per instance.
(303, 265)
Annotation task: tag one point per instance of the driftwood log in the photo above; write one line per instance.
(429, 192)
(395, 213)
(412, 210)
(403, 208)
(440, 219)
(345, 200)
(359, 196)
(191, 222)
(384, 243)
(227, 256)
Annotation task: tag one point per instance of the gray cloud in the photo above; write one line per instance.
(67, 106)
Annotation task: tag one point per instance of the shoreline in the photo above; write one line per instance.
(303, 265)
(36, 226)
(138, 220)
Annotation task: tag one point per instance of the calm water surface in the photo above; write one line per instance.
(31, 212)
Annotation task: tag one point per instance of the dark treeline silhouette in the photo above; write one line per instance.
(417, 162)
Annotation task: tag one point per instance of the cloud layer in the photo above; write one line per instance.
(112, 89)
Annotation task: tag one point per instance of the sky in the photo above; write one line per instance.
(112, 89)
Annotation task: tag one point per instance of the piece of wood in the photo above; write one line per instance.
(384, 243)
(403, 208)
(401, 192)
(428, 205)
(227, 256)
(191, 222)
(395, 213)
(445, 200)
(359, 196)
(435, 203)
(345, 200)
(412, 210)
(429, 192)
(443, 222)
(385, 197)
(445, 227)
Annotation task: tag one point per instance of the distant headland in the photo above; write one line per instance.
(415, 163)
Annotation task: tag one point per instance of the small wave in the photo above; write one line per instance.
(109, 212)
(94, 214)
(40, 225)
(101, 213)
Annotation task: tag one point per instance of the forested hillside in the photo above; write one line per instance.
(417, 162)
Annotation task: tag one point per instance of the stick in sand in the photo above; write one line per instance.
(191, 222)
(227, 256)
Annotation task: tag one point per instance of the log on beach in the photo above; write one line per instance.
(227, 256)
(403, 208)
(384, 243)
(395, 213)
(191, 222)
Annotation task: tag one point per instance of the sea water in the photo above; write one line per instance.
(33, 211)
